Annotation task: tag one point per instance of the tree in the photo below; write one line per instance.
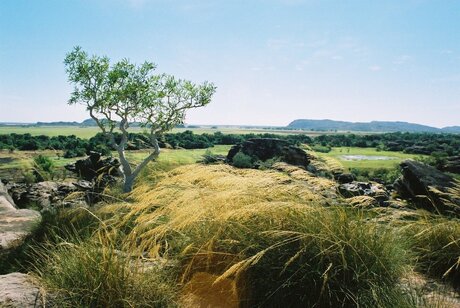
(118, 95)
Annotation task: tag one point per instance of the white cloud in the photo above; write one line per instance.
(375, 68)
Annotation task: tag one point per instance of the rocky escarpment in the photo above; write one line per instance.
(262, 149)
(428, 188)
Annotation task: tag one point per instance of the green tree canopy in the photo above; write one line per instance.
(120, 94)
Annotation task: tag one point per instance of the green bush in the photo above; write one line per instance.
(43, 168)
(321, 148)
(71, 153)
(384, 175)
(241, 160)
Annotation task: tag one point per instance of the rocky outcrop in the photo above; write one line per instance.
(93, 166)
(16, 225)
(343, 178)
(370, 189)
(428, 188)
(262, 149)
(97, 172)
(21, 291)
(46, 196)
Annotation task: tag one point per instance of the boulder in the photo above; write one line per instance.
(20, 290)
(343, 178)
(267, 148)
(46, 196)
(428, 188)
(94, 165)
(370, 189)
(16, 225)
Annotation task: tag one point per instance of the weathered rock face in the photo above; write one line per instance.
(45, 195)
(267, 148)
(371, 189)
(15, 225)
(428, 188)
(20, 290)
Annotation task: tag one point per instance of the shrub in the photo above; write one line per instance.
(211, 158)
(43, 168)
(71, 153)
(321, 148)
(241, 160)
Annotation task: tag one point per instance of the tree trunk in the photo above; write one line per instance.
(128, 184)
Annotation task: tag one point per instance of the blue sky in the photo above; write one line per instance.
(273, 61)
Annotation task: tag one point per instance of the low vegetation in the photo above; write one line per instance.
(264, 233)
(212, 233)
(436, 242)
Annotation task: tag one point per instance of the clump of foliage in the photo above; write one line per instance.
(92, 272)
(71, 153)
(211, 158)
(382, 175)
(321, 148)
(436, 242)
(241, 160)
(43, 168)
(267, 164)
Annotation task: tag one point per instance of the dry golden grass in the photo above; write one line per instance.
(325, 164)
(190, 194)
(262, 234)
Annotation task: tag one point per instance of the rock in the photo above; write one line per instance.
(20, 290)
(343, 178)
(363, 202)
(371, 189)
(93, 166)
(16, 225)
(267, 148)
(452, 164)
(428, 188)
(45, 195)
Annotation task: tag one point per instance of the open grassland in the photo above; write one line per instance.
(394, 158)
(12, 164)
(88, 132)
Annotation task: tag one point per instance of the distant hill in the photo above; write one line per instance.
(374, 126)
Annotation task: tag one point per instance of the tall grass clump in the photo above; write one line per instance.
(80, 263)
(93, 273)
(436, 242)
(268, 235)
